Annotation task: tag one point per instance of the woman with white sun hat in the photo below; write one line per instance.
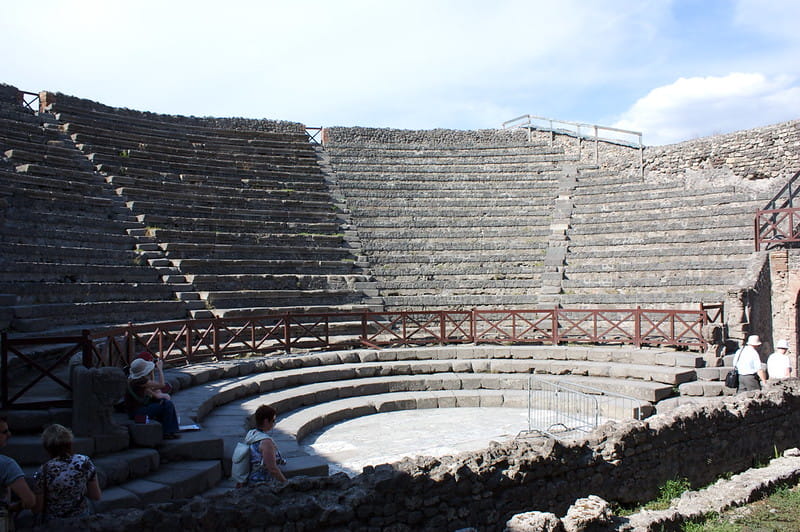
(144, 397)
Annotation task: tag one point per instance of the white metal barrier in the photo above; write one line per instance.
(563, 408)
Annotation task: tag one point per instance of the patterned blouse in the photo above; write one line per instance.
(63, 481)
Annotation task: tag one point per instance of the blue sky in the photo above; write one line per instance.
(675, 70)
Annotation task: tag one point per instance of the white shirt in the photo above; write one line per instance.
(777, 364)
(749, 362)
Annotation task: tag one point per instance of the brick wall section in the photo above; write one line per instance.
(624, 462)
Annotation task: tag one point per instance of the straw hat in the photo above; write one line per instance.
(140, 368)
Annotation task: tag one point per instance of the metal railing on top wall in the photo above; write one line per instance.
(580, 131)
(215, 339)
(779, 221)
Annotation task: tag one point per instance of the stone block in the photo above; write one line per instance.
(149, 492)
(146, 434)
(192, 446)
(187, 479)
(116, 498)
(447, 401)
(109, 443)
(305, 465)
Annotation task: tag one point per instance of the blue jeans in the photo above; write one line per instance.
(162, 411)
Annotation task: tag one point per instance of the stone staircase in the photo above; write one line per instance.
(636, 242)
(238, 214)
(68, 261)
(449, 225)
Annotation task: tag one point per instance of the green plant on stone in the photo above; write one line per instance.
(671, 489)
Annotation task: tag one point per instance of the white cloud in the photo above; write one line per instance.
(701, 106)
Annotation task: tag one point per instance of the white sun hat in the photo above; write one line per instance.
(753, 340)
(139, 368)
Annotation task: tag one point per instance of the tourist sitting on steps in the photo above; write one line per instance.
(12, 479)
(748, 364)
(144, 398)
(264, 455)
(63, 482)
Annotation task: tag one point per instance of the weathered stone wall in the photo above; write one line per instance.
(212, 122)
(623, 462)
(364, 136)
(765, 152)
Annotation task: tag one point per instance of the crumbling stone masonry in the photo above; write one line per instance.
(624, 462)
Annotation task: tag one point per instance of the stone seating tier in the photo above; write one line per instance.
(61, 255)
(30, 318)
(676, 300)
(48, 272)
(453, 241)
(218, 266)
(422, 166)
(502, 224)
(219, 299)
(22, 157)
(228, 251)
(670, 251)
(238, 182)
(437, 207)
(447, 301)
(349, 327)
(475, 285)
(199, 165)
(223, 159)
(188, 199)
(19, 182)
(300, 387)
(126, 184)
(202, 229)
(727, 225)
(232, 213)
(691, 272)
(278, 281)
(111, 147)
(295, 238)
(114, 120)
(43, 292)
(286, 178)
(697, 235)
(182, 145)
(347, 151)
(444, 174)
(651, 201)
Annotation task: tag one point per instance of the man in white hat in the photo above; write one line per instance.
(748, 364)
(778, 364)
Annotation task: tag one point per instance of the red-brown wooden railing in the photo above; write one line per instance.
(214, 339)
(779, 221)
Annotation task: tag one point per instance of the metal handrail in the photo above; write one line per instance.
(575, 129)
